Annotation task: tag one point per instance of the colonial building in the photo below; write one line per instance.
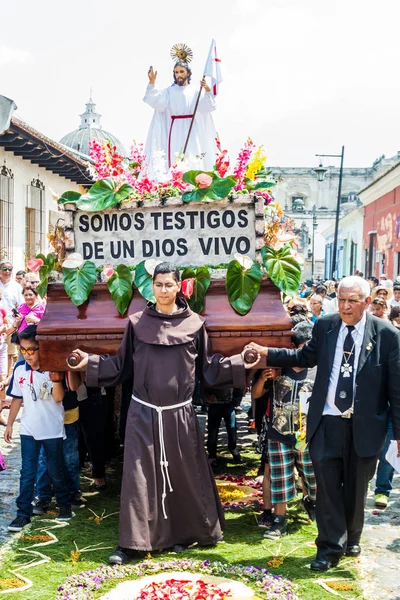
(33, 171)
(90, 129)
(350, 241)
(299, 191)
(381, 232)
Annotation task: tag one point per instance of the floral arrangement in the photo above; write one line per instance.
(121, 179)
(85, 585)
(235, 493)
(183, 590)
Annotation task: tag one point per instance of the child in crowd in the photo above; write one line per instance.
(42, 425)
(221, 405)
(287, 448)
(44, 490)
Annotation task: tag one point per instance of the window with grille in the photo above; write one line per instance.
(6, 213)
(35, 219)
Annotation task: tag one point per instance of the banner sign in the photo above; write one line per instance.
(185, 235)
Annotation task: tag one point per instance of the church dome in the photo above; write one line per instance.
(90, 129)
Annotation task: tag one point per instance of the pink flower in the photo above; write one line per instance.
(34, 264)
(188, 287)
(203, 180)
(241, 164)
(108, 271)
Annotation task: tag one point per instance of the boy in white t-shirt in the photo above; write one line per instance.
(42, 425)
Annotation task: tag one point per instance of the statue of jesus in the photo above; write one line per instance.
(173, 112)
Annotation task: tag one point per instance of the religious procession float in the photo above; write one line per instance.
(216, 220)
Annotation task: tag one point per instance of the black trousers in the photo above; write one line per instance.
(217, 412)
(96, 415)
(342, 484)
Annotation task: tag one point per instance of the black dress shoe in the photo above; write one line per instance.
(354, 550)
(122, 556)
(320, 564)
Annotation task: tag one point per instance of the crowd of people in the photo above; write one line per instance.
(311, 429)
(62, 423)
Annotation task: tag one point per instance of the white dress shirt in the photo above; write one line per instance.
(358, 336)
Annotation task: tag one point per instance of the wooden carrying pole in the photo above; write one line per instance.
(192, 120)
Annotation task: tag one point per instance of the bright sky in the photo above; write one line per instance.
(300, 76)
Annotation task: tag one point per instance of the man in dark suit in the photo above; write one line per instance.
(356, 386)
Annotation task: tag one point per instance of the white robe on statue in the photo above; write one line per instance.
(169, 133)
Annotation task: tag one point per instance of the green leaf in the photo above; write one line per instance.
(221, 188)
(103, 195)
(190, 176)
(243, 285)
(144, 282)
(44, 272)
(42, 257)
(264, 185)
(283, 270)
(195, 195)
(201, 284)
(69, 197)
(120, 287)
(50, 262)
(78, 283)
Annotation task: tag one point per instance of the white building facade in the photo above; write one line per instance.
(312, 205)
(33, 171)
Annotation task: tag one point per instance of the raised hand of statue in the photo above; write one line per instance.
(204, 85)
(152, 76)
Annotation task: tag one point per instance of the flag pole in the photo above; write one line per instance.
(192, 120)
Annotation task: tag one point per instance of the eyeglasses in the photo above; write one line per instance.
(29, 351)
(6, 269)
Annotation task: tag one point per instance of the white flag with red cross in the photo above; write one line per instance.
(213, 68)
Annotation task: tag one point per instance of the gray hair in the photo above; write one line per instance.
(356, 283)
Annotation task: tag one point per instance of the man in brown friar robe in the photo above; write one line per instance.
(169, 497)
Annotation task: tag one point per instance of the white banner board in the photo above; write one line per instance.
(185, 235)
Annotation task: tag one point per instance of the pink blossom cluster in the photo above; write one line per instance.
(241, 164)
(137, 158)
(222, 161)
(264, 194)
(107, 161)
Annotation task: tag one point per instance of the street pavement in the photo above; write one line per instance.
(9, 480)
(378, 563)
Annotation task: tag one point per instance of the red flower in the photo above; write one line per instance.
(188, 287)
(108, 271)
(34, 264)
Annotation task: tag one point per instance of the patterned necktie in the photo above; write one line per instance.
(344, 389)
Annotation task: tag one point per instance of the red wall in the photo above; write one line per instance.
(380, 216)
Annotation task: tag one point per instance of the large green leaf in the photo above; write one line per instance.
(201, 284)
(221, 188)
(283, 270)
(69, 197)
(120, 287)
(103, 194)
(243, 285)
(144, 282)
(44, 272)
(78, 283)
(195, 195)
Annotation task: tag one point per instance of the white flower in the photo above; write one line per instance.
(245, 261)
(150, 264)
(74, 261)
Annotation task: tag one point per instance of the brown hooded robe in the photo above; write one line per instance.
(164, 352)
